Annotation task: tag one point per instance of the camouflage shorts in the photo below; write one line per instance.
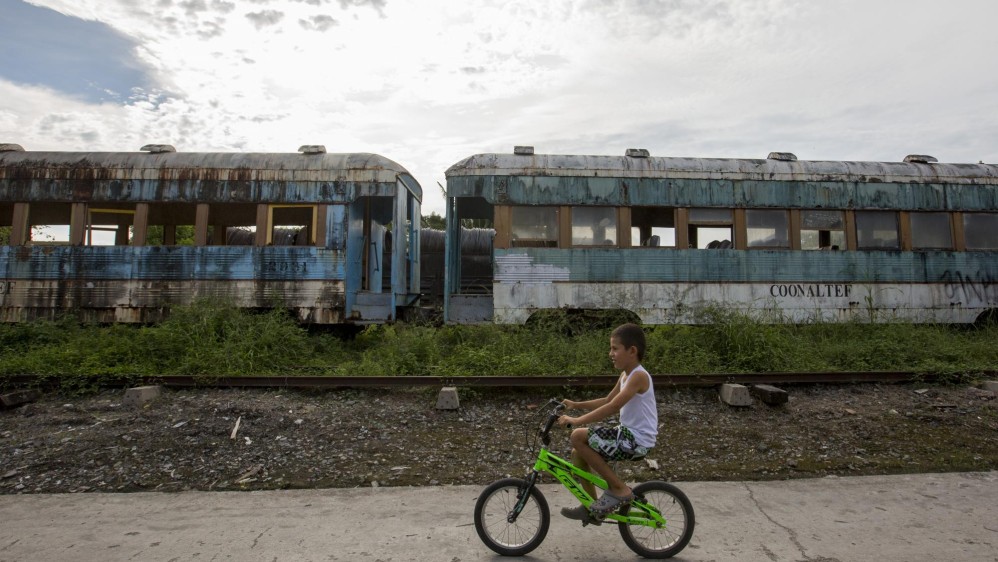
(615, 443)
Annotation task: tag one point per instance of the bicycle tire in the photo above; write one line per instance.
(492, 509)
(675, 508)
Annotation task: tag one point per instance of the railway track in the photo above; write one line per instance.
(320, 382)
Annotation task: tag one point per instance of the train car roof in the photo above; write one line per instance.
(193, 166)
(770, 169)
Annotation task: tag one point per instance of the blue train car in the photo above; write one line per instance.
(778, 238)
(122, 237)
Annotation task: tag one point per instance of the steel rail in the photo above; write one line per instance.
(352, 381)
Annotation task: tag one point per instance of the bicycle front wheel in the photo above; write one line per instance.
(662, 541)
(496, 526)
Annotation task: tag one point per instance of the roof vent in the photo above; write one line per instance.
(636, 153)
(784, 156)
(920, 159)
(11, 147)
(312, 149)
(158, 148)
(523, 150)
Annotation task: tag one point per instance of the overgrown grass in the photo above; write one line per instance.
(212, 339)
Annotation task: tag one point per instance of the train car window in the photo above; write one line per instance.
(710, 228)
(230, 224)
(980, 231)
(6, 223)
(171, 224)
(767, 228)
(822, 230)
(108, 226)
(292, 225)
(594, 226)
(877, 230)
(534, 227)
(653, 227)
(710, 215)
(49, 224)
(931, 231)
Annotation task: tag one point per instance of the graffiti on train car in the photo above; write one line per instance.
(970, 287)
(811, 290)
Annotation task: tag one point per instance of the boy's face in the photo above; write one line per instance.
(622, 357)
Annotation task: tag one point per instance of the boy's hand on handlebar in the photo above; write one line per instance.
(567, 420)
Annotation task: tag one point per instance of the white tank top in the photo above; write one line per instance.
(640, 414)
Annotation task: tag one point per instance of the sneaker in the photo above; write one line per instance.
(580, 513)
(608, 503)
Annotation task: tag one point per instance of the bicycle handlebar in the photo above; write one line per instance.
(552, 418)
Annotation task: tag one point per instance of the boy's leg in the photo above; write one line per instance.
(586, 454)
(579, 462)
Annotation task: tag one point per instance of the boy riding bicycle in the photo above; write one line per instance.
(634, 397)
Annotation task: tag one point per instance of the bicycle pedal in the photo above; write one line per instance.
(592, 521)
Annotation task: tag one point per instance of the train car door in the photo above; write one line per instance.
(368, 271)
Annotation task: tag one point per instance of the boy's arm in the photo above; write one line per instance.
(595, 403)
(638, 382)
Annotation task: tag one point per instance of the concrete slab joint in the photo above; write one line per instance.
(447, 398)
(735, 395)
(141, 395)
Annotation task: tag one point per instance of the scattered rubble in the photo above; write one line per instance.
(264, 439)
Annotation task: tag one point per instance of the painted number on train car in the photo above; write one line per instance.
(274, 266)
(811, 290)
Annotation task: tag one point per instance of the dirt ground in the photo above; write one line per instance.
(346, 438)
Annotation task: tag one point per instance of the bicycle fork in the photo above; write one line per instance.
(521, 497)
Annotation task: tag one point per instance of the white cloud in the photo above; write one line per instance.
(428, 83)
(265, 18)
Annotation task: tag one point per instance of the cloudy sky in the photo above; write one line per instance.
(427, 83)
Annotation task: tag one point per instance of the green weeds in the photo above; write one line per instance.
(217, 339)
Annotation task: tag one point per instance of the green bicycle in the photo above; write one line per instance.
(512, 517)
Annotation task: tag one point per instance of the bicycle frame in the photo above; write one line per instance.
(641, 513)
(642, 524)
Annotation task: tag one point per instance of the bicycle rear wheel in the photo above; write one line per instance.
(665, 541)
(492, 513)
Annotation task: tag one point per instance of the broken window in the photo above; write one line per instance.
(710, 228)
(50, 224)
(653, 227)
(767, 228)
(822, 230)
(109, 225)
(6, 223)
(534, 227)
(292, 225)
(171, 224)
(594, 226)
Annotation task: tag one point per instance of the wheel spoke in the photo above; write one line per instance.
(492, 512)
(667, 540)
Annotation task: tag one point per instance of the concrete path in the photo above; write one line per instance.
(931, 517)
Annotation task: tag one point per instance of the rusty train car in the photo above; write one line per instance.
(670, 239)
(122, 237)
(336, 237)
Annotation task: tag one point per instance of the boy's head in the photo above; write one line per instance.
(631, 335)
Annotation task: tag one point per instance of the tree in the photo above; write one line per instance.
(433, 221)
